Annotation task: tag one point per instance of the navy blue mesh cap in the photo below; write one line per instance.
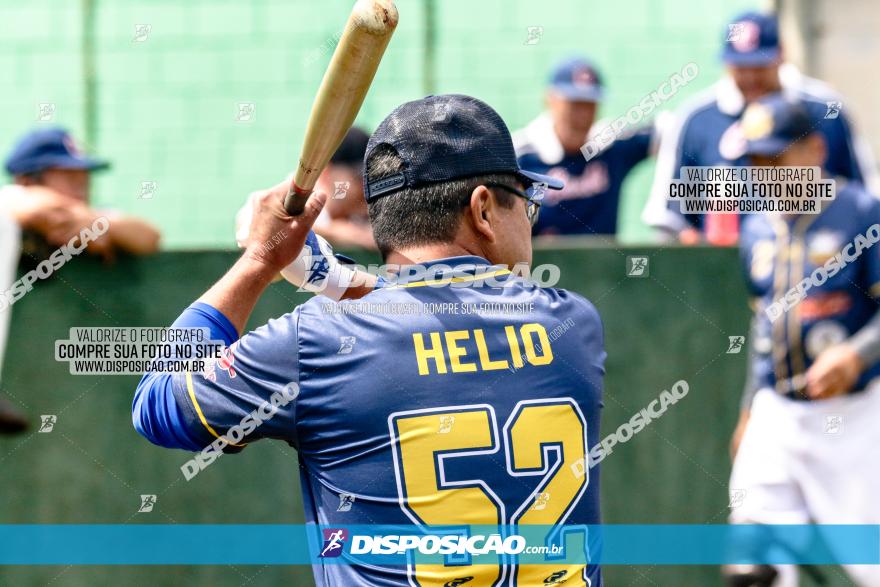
(440, 138)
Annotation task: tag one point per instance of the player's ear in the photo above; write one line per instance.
(482, 213)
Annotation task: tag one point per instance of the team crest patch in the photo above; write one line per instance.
(824, 335)
(226, 363)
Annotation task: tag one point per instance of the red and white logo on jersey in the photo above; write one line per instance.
(227, 360)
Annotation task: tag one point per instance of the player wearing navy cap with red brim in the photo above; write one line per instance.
(705, 131)
(435, 417)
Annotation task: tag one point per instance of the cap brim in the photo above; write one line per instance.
(60, 162)
(752, 58)
(767, 147)
(86, 163)
(45, 163)
(578, 93)
(530, 177)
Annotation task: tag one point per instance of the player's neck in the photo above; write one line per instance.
(428, 253)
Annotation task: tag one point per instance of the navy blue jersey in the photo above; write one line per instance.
(414, 411)
(778, 254)
(589, 202)
(706, 133)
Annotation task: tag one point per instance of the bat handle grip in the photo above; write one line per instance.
(295, 201)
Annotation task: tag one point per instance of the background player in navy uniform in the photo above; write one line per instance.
(551, 144)
(809, 418)
(512, 413)
(705, 131)
(50, 199)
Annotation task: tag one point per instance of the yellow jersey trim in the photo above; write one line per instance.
(192, 396)
(452, 279)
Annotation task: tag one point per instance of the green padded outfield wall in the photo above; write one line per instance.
(92, 468)
(166, 78)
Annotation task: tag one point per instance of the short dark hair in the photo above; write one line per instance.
(425, 214)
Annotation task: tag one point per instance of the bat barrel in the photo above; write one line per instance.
(377, 17)
(341, 94)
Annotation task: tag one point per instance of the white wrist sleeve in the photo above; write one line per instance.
(315, 269)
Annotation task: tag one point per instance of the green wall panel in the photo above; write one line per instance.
(165, 105)
(93, 467)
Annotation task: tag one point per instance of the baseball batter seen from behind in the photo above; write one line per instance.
(489, 392)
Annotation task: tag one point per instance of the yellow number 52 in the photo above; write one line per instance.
(542, 439)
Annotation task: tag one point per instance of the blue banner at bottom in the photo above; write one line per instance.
(402, 545)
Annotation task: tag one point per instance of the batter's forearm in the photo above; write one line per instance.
(237, 292)
(133, 235)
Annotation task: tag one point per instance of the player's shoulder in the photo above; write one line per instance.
(279, 328)
(808, 88)
(538, 139)
(852, 194)
(570, 298)
(320, 309)
(565, 303)
(698, 114)
(698, 108)
(817, 96)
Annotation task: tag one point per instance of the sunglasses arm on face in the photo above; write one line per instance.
(533, 206)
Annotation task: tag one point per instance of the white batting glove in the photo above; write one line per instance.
(315, 269)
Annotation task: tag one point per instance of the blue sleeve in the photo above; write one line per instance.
(687, 157)
(249, 392)
(155, 412)
(680, 146)
(634, 147)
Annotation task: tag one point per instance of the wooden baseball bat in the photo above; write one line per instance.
(345, 84)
